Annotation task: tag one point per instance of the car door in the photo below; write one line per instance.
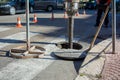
(22, 4)
(37, 4)
(17, 5)
(59, 3)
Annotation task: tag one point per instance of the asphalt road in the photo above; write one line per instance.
(44, 33)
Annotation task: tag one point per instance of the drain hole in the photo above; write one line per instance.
(65, 45)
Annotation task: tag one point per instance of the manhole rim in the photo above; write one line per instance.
(84, 49)
(18, 55)
(80, 43)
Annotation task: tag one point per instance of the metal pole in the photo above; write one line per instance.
(70, 31)
(113, 25)
(27, 25)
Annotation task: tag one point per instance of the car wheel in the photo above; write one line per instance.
(12, 11)
(49, 8)
(31, 10)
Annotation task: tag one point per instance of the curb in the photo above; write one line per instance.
(93, 64)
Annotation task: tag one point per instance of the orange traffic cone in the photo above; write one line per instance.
(18, 25)
(35, 19)
(52, 16)
(77, 14)
(65, 15)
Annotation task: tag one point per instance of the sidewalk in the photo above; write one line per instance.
(111, 70)
(100, 64)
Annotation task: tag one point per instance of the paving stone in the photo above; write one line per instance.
(112, 65)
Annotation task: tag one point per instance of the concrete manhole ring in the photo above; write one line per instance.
(79, 51)
(65, 45)
(21, 52)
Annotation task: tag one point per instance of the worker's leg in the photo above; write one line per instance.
(99, 14)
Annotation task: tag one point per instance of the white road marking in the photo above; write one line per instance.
(27, 69)
(3, 29)
(14, 38)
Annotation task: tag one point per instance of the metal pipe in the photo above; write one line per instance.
(113, 26)
(70, 31)
(27, 25)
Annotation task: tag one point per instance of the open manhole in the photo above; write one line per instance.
(79, 51)
(65, 45)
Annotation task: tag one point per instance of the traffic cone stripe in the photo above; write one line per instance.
(19, 22)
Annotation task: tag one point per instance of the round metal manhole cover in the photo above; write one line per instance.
(79, 51)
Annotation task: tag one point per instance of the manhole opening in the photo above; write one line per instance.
(65, 45)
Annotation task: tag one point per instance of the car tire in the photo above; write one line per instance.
(31, 9)
(50, 8)
(12, 11)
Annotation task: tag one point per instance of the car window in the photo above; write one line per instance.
(46, 0)
(4, 1)
(37, 0)
(60, 1)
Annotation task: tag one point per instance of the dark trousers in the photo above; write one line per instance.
(99, 14)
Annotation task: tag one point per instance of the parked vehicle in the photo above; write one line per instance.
(82, 5)
(48, 5)
(14, 6)
(118, 5)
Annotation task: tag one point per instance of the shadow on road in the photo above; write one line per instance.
(11, 41)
